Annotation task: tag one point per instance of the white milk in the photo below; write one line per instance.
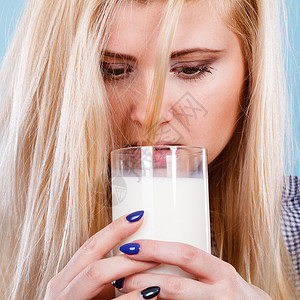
(176, 212)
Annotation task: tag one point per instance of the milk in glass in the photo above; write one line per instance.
(176, 210)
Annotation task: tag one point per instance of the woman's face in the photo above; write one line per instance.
(204, 83)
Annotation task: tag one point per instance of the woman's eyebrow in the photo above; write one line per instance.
(121, 56)
(184, 52)
(174, 55)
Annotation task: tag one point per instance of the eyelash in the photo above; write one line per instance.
(201, 71)
(108, 72)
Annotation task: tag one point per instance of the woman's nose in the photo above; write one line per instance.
(140, 99)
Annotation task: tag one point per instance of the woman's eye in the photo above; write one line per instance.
(115, 71)
(192, 72)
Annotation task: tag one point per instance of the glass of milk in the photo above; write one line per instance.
(170, 183)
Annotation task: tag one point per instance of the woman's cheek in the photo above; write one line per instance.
(215, 129)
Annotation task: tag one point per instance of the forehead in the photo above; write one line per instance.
(136, 27)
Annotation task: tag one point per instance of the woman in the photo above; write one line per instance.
(84, 77)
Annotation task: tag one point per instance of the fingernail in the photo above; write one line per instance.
(130, 248)
(135, 216)
(150, 292)
(118, 283)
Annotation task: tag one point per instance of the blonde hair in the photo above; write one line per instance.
(56, 137)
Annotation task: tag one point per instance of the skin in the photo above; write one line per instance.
(218, 90)
(89, 274)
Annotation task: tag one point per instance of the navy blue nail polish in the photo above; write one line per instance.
(150, 292)
(130, 248)
(118, 283)
(135, 216)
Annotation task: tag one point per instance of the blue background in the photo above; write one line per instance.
(10, 11)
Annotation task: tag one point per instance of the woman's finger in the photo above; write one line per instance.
(172, 287)
(97, 246)
(205, 266)
(90, 282)
(148, 293)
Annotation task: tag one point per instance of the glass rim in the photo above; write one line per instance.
(202, 149)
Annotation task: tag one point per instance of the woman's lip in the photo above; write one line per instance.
(167, 145)
(160, 143)
(159, 154)
(160, 158)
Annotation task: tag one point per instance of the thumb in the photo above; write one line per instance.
(148, 293)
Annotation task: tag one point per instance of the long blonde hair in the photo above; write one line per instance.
(56, 137)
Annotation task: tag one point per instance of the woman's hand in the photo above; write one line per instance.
(216, 278)
(89, 273)
(148, 293)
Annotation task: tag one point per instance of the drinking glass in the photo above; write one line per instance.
(170, 183)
